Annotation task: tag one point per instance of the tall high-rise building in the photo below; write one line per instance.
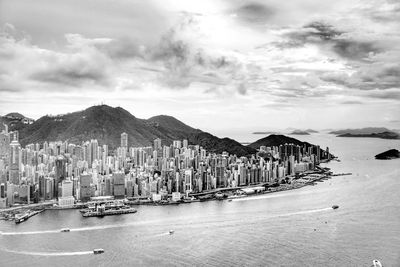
(157, 144)
(119, 184)
(60, 173)
(185, 143)
(15, 160)
(124, 140)
(85, 189)
(4, 143)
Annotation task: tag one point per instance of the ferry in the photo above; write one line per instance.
(98, 251)
(65, 230)
(335, 207)
(103, 211)
(21, 218)
(376, 263)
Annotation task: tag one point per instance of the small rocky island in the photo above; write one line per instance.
(299, 132)
(390, 154)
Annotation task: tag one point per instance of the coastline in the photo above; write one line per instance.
(306, 179)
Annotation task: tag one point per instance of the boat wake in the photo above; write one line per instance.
(50, 254)
(162, 234)
(93, 228)
(31, 232)
(304, 212)
(265, 196)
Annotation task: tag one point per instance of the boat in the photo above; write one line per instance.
(171, 232)
(376, 263)
(103, 211)
(64, 230)
(335, 207)
(98, 251)
(219, 196)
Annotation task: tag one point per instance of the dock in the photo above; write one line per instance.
(27, 215)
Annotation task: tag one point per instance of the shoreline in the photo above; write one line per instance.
(309, 179)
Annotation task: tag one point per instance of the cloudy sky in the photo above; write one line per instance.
(218, 65)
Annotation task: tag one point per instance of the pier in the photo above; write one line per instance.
(26, 216)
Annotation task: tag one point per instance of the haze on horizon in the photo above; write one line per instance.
(215, 64)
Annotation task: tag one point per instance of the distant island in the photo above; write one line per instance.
(367, 130)
(383, 135)
(264, 133)
(290, 131)
(374, 132)
(299, 132)
(390, 154)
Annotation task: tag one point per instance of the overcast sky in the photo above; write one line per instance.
(215, 64)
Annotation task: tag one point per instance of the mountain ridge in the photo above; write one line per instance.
(106, 124)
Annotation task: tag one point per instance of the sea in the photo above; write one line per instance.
(289, 228)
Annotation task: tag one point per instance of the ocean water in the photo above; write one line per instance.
(292, 228)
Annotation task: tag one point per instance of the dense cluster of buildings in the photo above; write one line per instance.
(69, 173)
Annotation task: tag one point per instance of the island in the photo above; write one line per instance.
(372, 132)
(264, 133)
(383, 135)
(299, 132)
(390, 154)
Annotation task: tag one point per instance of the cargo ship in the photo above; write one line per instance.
(103, 210)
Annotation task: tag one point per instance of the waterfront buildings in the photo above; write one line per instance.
(76, 172)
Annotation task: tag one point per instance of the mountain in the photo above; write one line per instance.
(169, 122)
(217, 145)
(311, 131)
(15, 115)
(15, 121)
(383, 135)
(390, 154)
(106, 124)
(368, 130)
(277, 140)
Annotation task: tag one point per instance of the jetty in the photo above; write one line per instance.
(25, 216)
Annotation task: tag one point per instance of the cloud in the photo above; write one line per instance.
(328, 38)
(351, 102)
(254, 13)
(75, 71)
(79, 64)
(382, 72)
(355, 50)
(390, 94)
(387, 11)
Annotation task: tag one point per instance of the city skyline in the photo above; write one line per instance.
(248, 65)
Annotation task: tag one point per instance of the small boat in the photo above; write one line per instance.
(64, 230)
(171, 232)
(376, 263)
(335, 207)
(98, 251)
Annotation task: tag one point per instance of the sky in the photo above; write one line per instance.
(217, 65)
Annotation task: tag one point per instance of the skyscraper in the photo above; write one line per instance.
(61, 173)
(14, 160)
(157, 144)
(124, 140)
